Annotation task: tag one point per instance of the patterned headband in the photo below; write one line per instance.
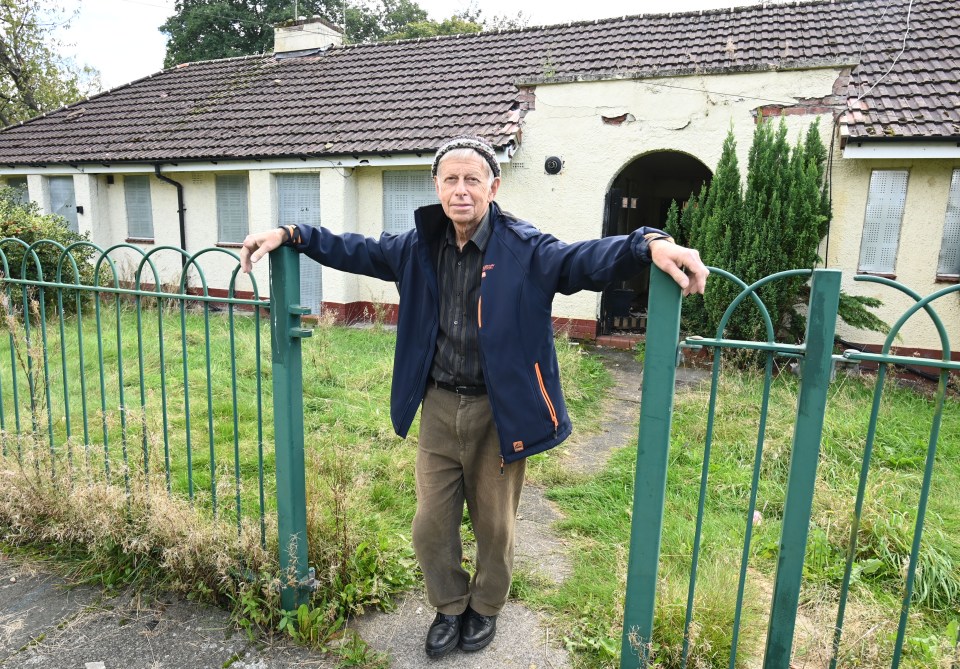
(481, 147)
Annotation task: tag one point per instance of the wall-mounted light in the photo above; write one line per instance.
(109, 179)
(553, 165)
(79, 208)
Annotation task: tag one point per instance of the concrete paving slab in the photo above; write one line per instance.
(537, 550)
(522, 641)
(45, 624)
(33, 604)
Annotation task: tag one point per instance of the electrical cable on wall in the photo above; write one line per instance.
(838, 118)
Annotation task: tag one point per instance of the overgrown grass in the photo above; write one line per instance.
(589, 605)
(122, 527)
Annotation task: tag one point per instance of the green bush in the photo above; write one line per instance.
(23, 221)
(771, 221)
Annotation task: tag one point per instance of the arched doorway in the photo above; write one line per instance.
(640, 196)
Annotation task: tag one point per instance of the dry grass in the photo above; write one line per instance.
(158, 535)
(118, 523)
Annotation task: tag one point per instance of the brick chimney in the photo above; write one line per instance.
(306, 35)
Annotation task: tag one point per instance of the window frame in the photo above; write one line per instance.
(24, 187)
(72, 217)
(951, 222)
(393, 213)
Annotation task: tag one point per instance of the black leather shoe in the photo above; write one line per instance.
(478, 631)
(443, 635)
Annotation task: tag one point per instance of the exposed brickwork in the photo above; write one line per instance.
(575, 328)
(827, 105)
(409, 96)
(622, 342)
(909, 352)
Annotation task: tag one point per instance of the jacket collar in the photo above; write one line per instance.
(431, 222)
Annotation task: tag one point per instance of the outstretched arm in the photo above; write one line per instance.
(682, 264)
(348, 252)
(593, 264)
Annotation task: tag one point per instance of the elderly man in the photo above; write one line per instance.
(475, 347)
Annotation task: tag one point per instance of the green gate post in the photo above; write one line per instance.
(814, 384)
(656, 413)
(285, 313)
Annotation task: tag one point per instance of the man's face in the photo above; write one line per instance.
(462, 186)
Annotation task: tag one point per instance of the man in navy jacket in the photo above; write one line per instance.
(475, 348)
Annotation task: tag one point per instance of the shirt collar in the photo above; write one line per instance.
(481, 236)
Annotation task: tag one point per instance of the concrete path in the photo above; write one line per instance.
(49, 624)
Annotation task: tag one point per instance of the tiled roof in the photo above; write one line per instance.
(908, 83)
(409, 96)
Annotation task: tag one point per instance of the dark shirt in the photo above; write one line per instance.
(457, 359)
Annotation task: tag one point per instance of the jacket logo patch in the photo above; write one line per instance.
(517, 446)
(486, 267)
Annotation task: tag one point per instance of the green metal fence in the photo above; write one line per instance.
(123, 366)
(816, 360)
(111, 371)
(129, 370)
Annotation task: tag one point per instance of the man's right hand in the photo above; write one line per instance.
(258, 245)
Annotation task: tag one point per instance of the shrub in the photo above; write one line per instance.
(771, 222)
(23, 221)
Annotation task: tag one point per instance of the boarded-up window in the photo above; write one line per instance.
(20, 184)
(231, 208)
(881, 227)
(136, 193)
(298, 203)
(63, 201)
(403, 192)
(949, 263)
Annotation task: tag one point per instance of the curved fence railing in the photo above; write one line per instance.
(816, 364)
(128, 368)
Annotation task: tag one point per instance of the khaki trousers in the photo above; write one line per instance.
(458, 459)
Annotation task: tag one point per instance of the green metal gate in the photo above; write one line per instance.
(816, 360)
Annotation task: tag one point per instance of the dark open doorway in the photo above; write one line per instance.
(641, 196)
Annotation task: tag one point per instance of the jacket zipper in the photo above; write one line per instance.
(546, 397)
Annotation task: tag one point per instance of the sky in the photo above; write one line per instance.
(120, 38)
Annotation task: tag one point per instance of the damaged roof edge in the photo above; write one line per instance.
(783, 66)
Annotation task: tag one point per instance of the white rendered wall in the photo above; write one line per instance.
(928, 186)
(685, 114)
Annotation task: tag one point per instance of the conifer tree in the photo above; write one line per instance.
(691, 218)
(684, 227)
(672, 225)
(720, 230)
(761, 234)
(774, 224)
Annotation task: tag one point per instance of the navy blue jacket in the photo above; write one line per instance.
(522, 271)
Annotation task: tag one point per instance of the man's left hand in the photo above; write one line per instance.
(682, 264)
